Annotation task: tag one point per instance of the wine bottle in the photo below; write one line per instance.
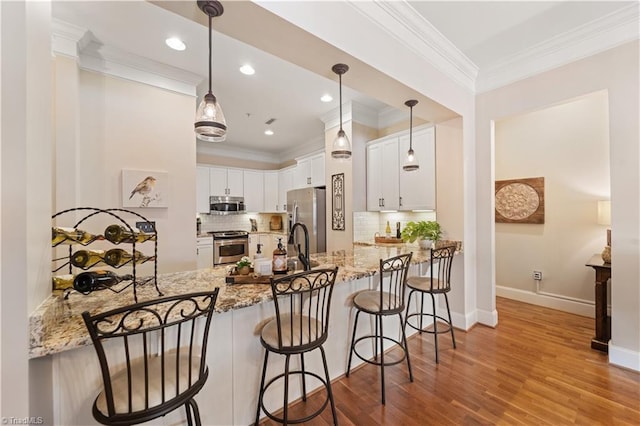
(87, 282)
(119, 234)
(86, 258)
(388, 230)
(117, 257)
(62, 282)
(60, 235)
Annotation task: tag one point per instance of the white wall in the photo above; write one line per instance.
(616, 71)
(25, 193)
(128, 125)
(568, 145)
(450, 179)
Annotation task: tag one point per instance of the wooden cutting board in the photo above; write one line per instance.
(248, 279)
(387, 240)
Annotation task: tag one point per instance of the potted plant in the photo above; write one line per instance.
(244, 265)
(426, 232)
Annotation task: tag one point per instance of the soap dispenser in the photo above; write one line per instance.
(279, 264)
(258, 254)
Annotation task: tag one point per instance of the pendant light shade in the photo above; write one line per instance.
(210, 125)
(411, 163)
(341, 149)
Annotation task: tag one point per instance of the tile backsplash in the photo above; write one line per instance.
(366, 224)
(238, 222)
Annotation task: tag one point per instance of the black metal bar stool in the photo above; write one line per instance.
(437, 282)
(302, 303)
(387, 300)
(156, 357)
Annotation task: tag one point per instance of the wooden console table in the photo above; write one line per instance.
(603, 321)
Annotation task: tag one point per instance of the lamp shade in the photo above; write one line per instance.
(604, 212)
(210, 125)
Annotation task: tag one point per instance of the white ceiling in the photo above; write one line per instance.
(486, 32)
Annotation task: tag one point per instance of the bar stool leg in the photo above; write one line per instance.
(453, 338)
(421, 311)
(196, 411)
(285, 408)
(264, 374)
(187, 408)
(406, 347)
(379, 318)
(353, 339)
(435, 324)
(304, 382)
(330, 393)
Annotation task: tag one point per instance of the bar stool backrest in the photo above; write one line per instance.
(441, 261)
(393, 279)
(302, 303)
(152, 355)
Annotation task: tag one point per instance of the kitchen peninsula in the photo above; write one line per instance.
(57, 330)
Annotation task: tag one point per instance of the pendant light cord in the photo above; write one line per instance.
(210, 55)
(411, 129)
(340, 76)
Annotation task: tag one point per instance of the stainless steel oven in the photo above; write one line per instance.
(230, 246)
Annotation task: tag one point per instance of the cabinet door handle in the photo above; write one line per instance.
(308, 181)
(382, 201)
(400, 201)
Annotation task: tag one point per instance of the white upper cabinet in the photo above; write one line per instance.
(271, 190)
(418, 187)
(309, 171)
(383, 175)
(202, 189)
(285, 183)
(254, 190)
(225, 181)
(391, 188)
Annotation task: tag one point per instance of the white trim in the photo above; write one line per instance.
(577, 306)
(223, 150)
(67, 39)
(119, 63)
(461, 321)
(308, 148)
(488, 318)
(623, 357)
(390, 116)
(402, 22)
(586, 40)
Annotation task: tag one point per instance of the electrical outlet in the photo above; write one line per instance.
(537, 275)
(147, 227)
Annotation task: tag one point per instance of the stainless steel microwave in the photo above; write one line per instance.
(226, 205)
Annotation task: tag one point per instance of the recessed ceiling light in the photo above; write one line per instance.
(247, 70)
(268, 132)
(175, 43)
(326, 98)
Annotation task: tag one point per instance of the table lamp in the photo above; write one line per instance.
(604, 218)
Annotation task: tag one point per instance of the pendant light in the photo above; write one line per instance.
(210, 125)
(341, 146)
(411, 163)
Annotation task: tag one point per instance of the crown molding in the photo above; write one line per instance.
(402, 22)
(602, 34)
(390, 116)
(68, 39)
(119, 63)
(223, 150)
(313, 146)
(356, 112)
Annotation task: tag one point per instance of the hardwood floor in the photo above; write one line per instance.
(536, 367)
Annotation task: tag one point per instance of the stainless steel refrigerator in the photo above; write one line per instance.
(308, 206)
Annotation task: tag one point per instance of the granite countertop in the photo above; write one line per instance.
(57, 324)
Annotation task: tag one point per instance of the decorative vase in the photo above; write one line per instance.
(425, 244)
(244, 270)
(606, 254)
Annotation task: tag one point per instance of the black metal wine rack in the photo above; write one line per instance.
(134, 282)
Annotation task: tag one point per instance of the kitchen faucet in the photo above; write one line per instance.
(304, 257)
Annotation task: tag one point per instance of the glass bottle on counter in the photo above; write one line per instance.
(86, 258)
(388, 230)
(117, 257)
(119, 234)
(60, 235)
(279, 264)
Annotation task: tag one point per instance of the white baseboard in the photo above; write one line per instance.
(463, 322)
(624, 357)
(584, 308)
(488, 318)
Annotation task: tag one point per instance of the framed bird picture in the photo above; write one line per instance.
(141, 188)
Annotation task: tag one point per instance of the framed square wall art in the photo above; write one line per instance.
(141, 188)
(337, 202)
(520, 200)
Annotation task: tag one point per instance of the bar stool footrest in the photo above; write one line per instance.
(447, 325)
(369, 361)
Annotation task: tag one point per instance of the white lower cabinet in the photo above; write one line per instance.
(204, 252)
